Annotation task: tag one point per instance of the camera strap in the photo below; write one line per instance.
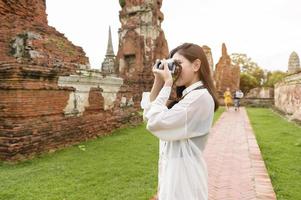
(177, 100)
(199, 87)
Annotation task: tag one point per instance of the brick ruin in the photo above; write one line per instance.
(226, 74)
(259, 97)
(50, 97)
(287, 93)
(288, 96)
(141, 41)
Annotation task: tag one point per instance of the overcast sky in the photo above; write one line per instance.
(266, 30)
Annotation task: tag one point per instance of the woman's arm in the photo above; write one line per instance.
(158, 84)
(149, 97)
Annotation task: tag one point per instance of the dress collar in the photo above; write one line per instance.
(191, 87)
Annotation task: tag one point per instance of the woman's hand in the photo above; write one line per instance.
(164, 74)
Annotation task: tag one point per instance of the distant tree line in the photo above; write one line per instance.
(252, 75)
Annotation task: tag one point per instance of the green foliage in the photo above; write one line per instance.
(252, 75)
(243, 61)
(248, 66)
(247, 82)
(273, 78)
(122, 3)
(258, 74)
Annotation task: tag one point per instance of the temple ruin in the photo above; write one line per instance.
(141, 40)
(288, 92)
(226, 74)
(51, 98)
(293, 63)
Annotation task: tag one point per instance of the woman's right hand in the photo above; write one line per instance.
(158, 78)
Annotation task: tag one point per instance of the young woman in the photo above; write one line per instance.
(227, 98)
(182, 126)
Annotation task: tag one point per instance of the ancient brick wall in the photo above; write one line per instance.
(40, 109)
(287, 96)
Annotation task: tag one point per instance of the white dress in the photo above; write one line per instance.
(183, 131)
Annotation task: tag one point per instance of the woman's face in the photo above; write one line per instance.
(187, 74)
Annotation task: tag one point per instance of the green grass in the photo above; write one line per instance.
(121, 166)
(280, 145)
(218, 113)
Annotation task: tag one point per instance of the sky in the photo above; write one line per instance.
(268, 31)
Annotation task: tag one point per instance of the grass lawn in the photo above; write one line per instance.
(280, 145)
(122, 166)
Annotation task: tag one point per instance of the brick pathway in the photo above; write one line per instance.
(235, 166)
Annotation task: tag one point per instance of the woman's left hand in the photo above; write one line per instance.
(164, 74)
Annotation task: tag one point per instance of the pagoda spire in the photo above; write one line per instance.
(108, 65)
(110, 51)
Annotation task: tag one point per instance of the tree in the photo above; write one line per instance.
(247, 82)
(251, 74)
(274, 77)
(243, 61)
(257, 73)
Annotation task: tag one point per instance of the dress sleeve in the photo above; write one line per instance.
(159, 102)
(182, 121)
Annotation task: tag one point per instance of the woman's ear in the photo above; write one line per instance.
(196, 65)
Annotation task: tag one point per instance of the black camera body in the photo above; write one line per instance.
(170, 63)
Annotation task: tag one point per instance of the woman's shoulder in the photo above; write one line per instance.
(201, 104)
(199, 95)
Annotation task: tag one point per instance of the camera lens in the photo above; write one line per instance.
(170, 64)
(158, 63)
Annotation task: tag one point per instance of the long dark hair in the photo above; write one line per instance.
(192, 52)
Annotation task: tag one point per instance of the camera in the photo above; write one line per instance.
(170, 63)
